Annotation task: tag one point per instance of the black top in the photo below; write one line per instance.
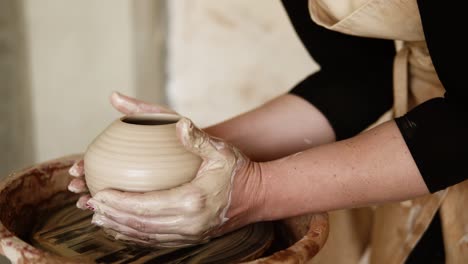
(354, 88)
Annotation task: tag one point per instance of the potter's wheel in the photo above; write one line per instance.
(69, 233)
(35, 193)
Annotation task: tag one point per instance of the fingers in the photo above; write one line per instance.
(107, 223)
(77, 170)
(77, 185)
(174, 224)
(197, 141)
(181, 210)
(82, 202)
(128, 239)
(184, 199)
(128, 105)
(118, 236)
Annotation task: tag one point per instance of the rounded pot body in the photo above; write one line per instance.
(139, 153)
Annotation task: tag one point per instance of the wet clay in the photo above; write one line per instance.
(69, 233)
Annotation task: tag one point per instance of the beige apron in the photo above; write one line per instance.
(396, 228)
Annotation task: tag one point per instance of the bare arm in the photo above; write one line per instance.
(283, 126)
(371, 168)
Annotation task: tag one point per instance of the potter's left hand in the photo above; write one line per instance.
(224, 195)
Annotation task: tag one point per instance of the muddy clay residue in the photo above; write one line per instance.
(69, 233)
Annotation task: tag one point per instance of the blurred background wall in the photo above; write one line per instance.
(60, 60)
(226, 57)
(16, 136)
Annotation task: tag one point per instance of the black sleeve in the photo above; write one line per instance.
(436, 131)
(354, 85)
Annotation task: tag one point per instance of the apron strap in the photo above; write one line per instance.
(400, 82)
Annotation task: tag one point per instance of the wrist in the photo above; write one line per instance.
(276, 202)
(248, 193)
(264, 205)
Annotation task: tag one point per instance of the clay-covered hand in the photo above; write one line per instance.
(223, 196)
(125, 105)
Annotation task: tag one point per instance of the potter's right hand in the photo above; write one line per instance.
(226, 193)
(126, 105)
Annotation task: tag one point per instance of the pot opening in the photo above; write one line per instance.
(148, 120)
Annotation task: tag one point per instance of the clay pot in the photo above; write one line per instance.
(139, 153)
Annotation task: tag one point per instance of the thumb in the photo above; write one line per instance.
(197, 141)
(128, 105)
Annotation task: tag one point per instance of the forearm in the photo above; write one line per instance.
(284, 125)
(371, 168)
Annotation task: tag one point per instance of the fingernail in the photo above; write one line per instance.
(125, 104)
(116, 94)
(190, 124)
(73, 171)
(79, 205)
(90, 205)
(97, 220)
(72, 188)
(187, 129)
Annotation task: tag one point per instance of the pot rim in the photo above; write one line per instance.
(172, 118)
